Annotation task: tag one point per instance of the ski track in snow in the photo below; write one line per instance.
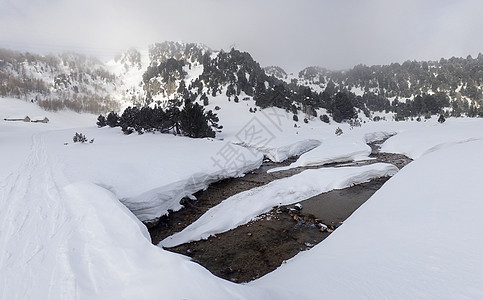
(34, 237)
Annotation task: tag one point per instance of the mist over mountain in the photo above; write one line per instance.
(171, 71)
(69, 80)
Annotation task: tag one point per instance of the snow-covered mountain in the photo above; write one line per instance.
(173, 70)
(68, 80)
(456, 81)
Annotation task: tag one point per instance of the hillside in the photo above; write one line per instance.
(173, 71)
(68, 80)
(412, 88)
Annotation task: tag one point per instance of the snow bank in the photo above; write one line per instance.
(419, 141)
(377, 136)
(112, 257)
(150, 173)
(418, 237)
(335, 149)
(156, 202)
(280, 154)
(241, 208)
(64, 236)
(79, 242)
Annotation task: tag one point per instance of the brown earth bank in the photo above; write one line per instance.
(252, 250)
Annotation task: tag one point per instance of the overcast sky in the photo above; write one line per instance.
(335, 34)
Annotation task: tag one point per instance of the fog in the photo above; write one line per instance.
(291, 34)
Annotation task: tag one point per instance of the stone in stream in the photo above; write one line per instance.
(322, 227)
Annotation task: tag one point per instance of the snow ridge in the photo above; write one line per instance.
(156, 202)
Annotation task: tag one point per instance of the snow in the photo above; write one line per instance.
(335, 149)
(419, 141)
(131, 78)
(417, 237)
(280, 154)
(64, 233)
(243, 207)
(144, 171)
(17, 117)
(270, 131)
(83, 244)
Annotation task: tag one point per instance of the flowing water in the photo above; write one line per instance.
(257, 248)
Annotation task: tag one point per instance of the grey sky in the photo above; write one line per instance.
(334, 34)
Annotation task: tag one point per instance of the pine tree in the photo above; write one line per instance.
(171, 122)
(101, 121)
(342, 108)
(128, 120)
(79, 138)
(112, 119)
(213, 120)
(193, 122)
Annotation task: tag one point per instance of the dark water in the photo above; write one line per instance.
(255, 249)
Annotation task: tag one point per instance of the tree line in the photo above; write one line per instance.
(192, 120)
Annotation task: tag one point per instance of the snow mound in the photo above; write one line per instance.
(243, 207)
(156, 202)
(280, 154)
(417, 142)
(79, 242)
(337, 149)
(150, 173)
(372, 137)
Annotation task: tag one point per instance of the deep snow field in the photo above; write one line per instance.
(66, 231)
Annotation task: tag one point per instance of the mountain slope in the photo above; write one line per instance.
(171, 70)
(57, 81)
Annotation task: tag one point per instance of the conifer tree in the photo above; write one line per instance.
(101, 121)
(193, 122)
(342, 108)
(112, 119)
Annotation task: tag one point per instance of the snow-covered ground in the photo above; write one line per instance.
(65, 234)
(149, 173)
(143, 171)
(419, 141)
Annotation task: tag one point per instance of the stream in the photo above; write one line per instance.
(259, 247)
